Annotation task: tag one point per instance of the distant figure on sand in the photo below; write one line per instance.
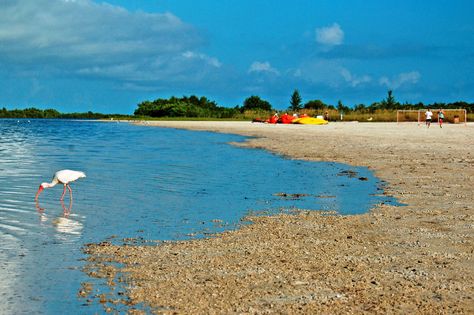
(428, 115)
(440, 117)
(326, 116)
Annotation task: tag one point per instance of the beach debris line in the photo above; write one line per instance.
(290, 196)
(352, 174)
(348, 173)
(325, 196)
(112, 290)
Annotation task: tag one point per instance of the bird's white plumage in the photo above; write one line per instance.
(67, 176)
(64, 177)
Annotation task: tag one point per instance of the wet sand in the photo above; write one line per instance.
(411, 259)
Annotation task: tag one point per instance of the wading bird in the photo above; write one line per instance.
(64, 177)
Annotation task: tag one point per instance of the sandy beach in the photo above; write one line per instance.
(413, 259)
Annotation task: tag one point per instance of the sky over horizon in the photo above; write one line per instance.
(108, 56)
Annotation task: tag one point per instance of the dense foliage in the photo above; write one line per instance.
(256, 103)
(184, 107)
(48, 113)
(317, 105)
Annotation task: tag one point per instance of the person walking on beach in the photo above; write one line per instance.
(440, 117)
(428, 115)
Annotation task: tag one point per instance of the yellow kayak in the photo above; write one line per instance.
(310, 121)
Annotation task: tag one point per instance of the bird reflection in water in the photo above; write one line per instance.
(63, 223)
(68, 226)
(40, 211)
(66, 211)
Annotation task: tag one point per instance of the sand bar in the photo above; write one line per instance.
(412, 259)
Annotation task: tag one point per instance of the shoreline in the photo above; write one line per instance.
(410, 259)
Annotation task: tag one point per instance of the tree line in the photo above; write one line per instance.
(51, 114)
(202, 107)
(388, 103)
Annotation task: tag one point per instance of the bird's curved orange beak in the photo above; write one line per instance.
(40, 189)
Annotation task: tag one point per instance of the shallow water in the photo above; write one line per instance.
(153, 183)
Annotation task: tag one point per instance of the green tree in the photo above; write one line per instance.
(51, 113)
(315, 104)
(360, 108)
(390, 100)
(295, 101)
(341, 107)
(256, 103)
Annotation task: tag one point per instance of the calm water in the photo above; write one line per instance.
(145, 182)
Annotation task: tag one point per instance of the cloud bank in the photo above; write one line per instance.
(85, 38)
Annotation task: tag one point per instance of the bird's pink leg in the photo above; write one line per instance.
(64, 191)
(66, 211)
(70, 193)
(40, 210)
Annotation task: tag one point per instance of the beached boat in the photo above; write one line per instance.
(310, 121)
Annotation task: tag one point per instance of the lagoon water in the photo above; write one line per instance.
(142, 182)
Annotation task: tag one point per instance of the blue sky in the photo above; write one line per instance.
(107, 56)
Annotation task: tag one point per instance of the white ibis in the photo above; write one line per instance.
(64, 177)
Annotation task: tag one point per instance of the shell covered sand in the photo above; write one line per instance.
(412, 259)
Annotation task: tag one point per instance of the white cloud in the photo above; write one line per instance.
(330, 35)
(354, 80)
(262, 67)
(83, 37)
(401, 79)
(210, 60)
